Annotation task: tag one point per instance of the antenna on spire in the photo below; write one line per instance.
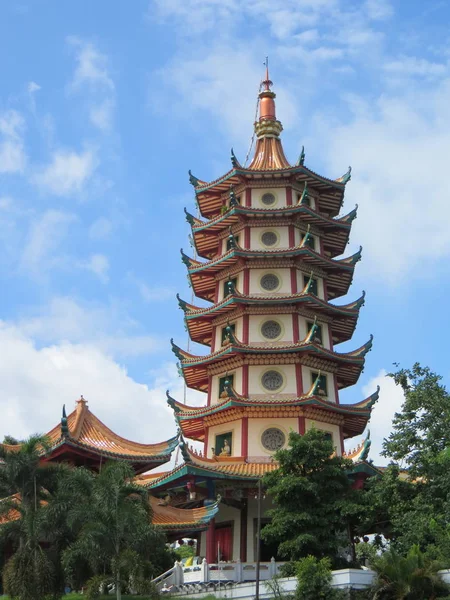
(267, 83)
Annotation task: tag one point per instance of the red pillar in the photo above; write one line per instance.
(293, 280)
(291, 236)
(299, 379)
(247, 238)
(245, 328)
(246, 281)
(211, 542)
(244, 436)
(245, 381)
(289, 196)
(295, 328)
(248, 197)
(301, 425)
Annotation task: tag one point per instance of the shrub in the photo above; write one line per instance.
(314, 580)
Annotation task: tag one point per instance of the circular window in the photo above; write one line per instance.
(273, 439)
(269, 238)
(272, 380)
(270, 282)
(271, 330)
(268, 199)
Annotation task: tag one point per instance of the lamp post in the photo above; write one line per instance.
(258, 541)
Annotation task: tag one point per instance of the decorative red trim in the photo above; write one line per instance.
(293, 280)
(247, 238)
(245, 381)
(291, 233)
(244, 436)
(295, 328)
(246, 282)
(299, 379)
(211, 542)
(205, 446)
(248, 197)
(336, 390)
(245, 328)
(325, 290)
(301, 425)
(209, 390)
(244, 521)
(216, 293)
(289, 196)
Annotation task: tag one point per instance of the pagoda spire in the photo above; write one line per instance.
(269, 153)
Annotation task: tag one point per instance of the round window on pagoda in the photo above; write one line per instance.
(269, 238)
(271, 330)
(272, 380)
(270, 282)
(273, 439)
(268, 199)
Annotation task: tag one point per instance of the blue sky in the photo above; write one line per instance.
(103, 109)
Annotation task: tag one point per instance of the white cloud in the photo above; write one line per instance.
(410, 65)
(36, 382)
(43, 241)
(91, 65)
(12, 153)
(398, 147)
(380, 425)
(102, 115)
(105, 327)
(67, 173)
(151, 294)
(100, 229)
(99, 265)
(33, 87)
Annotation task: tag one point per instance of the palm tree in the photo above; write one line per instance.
(26, 485)
(115, 527)
(410, 577)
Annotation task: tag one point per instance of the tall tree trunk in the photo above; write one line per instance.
(118, 589)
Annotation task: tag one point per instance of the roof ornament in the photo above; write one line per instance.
(301, 158)
(182, 304)
(231, 241)
(185, 258)
(230, 287)
(193, 179)
(189, 218)
(311, 337)
(64, 424)
(234, 160)
(361, 301)
(306, 237)
(229, 389)
(346, 178)
(315, 388)
(305, 194)
(184, 450)
(357, 256)
(233, 198)
(308, 284)
(229, 336)
(176, 350)
(172, 403)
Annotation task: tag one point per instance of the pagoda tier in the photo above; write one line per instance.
(202, 322)
(170, 519)
(195, 421)
(346, 366)
(209, 236)
(212, 196)
(207, 277)
(82, 439)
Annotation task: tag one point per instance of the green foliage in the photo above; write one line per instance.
(313, 498)
(184, 551)
(410, 577)
(314, 580)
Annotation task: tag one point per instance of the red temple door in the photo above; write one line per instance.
(224, 546)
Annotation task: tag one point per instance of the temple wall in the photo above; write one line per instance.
(234, 427)
(257, 232)
(237, 383)
(256, 428)
(232, 516)
(307, 382)
(255, 322)
(283, 274)
(257, 194)
(255, 373)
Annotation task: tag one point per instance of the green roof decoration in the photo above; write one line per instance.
(193, 180)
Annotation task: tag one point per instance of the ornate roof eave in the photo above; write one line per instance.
(361, 452)
(174, 519)
(233, 254)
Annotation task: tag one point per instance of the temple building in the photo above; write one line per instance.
(268, 239)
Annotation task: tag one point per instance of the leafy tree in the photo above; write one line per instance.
(26, 486)
(116, 539)
(314, 580)
(312, 496)
(410, 577)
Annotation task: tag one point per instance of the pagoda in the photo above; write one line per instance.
(268, 241)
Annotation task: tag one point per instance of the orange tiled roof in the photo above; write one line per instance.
(171, 517)
(269, 155)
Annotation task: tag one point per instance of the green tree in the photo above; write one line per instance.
(313, 498)
(116, 538)
(26, 486)
(412, 505)
(314, 580)
(410, 577)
